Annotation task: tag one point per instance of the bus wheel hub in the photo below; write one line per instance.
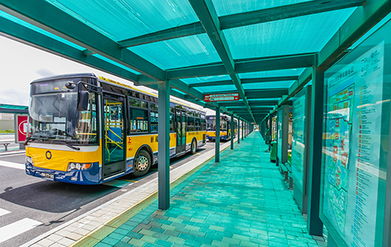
(142, 163)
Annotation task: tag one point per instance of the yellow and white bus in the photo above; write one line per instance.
(88, 130)
(225, 128)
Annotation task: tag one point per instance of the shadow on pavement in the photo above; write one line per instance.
(55, 197)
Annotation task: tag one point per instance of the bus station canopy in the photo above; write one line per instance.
(264, 50)
(4, 108)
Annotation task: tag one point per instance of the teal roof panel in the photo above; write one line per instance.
(206, 79)
(62, 40)
(181, 52)
(224, 7)
(267, 85)
(116, 64)
(302, 34)
(123, 19)
(37, 29)
(272, 73)
(216, 89)
(263, 99)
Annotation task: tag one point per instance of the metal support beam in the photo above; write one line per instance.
(210, 21)
(245, 81)
(232, 131)
(217, 141)
(244, 19)
(245, 65)
(164, 145)
(314, 148)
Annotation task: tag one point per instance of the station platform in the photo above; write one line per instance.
(241, 201)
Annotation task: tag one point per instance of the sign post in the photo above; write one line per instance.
(21, 130)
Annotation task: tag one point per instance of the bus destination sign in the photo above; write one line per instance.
(221, 97)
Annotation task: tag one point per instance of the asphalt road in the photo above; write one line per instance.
(35, 206)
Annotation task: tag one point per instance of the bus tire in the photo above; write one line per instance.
(193, 148)
(142, 163)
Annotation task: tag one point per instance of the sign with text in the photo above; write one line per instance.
(22, 122)
(221, 97)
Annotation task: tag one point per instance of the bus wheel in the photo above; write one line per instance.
(142, 163)
(193, 146)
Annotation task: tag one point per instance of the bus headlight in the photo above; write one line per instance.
(29, 160)
(79, 166)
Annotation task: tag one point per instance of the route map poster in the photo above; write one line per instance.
(351, 147)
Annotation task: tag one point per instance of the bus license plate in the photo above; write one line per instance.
(47, 175)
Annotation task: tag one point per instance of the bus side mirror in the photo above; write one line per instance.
(82, 101)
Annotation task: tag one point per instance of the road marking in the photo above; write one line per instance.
(117, 183)
(12, 165)
(16, 228)
(4, 212)
(12, 154)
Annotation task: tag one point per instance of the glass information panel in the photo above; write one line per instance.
(355, 143)
(298, 122)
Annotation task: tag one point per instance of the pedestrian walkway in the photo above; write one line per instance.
(241, 201)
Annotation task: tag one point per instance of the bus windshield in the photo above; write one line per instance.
(211, 123)
(55, 118)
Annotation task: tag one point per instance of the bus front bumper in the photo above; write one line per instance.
(89, 176)
(213, 138)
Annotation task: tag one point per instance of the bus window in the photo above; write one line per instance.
(87, 128)
(190, 122)
(138, 120)
(223, 125)
(172, 123)
(154, 117)
(197, 124)
(138, 103)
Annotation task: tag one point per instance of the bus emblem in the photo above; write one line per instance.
(48, 155)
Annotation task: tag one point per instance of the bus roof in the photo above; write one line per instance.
(107, 80)
(55, 77)
(142, 91)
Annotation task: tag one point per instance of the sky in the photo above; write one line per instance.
(21, 64)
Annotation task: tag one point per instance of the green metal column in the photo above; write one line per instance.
(238, 131)
(232, 132)
(164, 145)
(314, 224)
(217, 142)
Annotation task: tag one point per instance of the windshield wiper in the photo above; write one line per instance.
(71, 146)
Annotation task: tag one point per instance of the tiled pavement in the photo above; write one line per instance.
(240, 201)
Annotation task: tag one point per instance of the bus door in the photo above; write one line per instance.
(114, 136)
(180, 131)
